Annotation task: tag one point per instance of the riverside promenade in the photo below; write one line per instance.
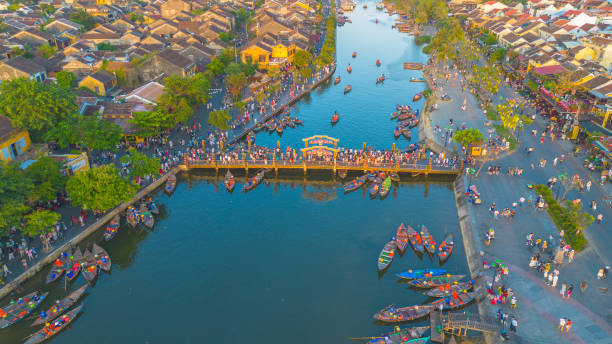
(539, 306)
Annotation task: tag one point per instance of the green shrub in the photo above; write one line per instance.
(563, 217)
(422, 39)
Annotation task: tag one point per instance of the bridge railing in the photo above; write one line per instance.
(271, 163)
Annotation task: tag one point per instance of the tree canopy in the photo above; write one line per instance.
(140, 165)
(66, 79)
(467, 137)
(100, 188)
(47, 178)
(80, 16)
(235, 84)
(40, 222)
(219, 119)
(35, 106)
(15, 187)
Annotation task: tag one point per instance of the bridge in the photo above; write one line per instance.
(459, 324)
(284, 165)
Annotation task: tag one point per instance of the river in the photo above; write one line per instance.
(293, 261)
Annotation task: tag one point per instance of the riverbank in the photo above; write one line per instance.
(540, 305)
(91, 229)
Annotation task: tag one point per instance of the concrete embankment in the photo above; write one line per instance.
(100, 223)
(289, 103)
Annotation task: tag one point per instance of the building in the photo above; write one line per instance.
(21, 67)
(14, 142)
(100, 82)
(171, 62)
(147, 93)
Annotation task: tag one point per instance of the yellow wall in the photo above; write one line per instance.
(279, 51)
(585, 54)
(94, 85)
(105, 2)
(255, 53)
(22, 142)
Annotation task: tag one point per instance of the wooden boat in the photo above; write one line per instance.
(386, 255)
(401, 238)
(400, 336)
(374, 189)
(74, 266)
(146, 217)
(258, 127)
(349, 69)
(58, 268)
(372, 176)
(342, 173)
(397, 133)
(355, 184)
(280, 129)
(102, 258)
(446, 248)
(90, 267)
(394, 315)
(348, 89)
(447, 289)
(407, 134)
(394, 177)
(19, 309)
(415, 239)
(380, 79)
(385, 187)
(49, 331)
(417, 97)
(354, 54)
(133, 217)
(335, 118)
(170, 184)
(428, 240)
(378, 63)
(254, 181)
(434, 282)
(421, 273)
(229, 182)
(112, 228)
(337, 80)
(413, 123)
(413, 79)
(60, 307)
(413, 65)
(454, 301)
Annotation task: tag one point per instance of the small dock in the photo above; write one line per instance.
(405, 168)
(459, 324)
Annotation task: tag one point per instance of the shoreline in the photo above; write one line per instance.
(91, 229)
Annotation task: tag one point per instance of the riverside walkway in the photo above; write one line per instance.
(414, 168)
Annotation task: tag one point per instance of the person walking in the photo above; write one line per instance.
(513, 324)
(569, 291)
(563, 287)
(568, 325)
(571, 255)
(583, 286)
(561, 326)
(588, 185)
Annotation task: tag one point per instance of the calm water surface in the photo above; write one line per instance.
(289, 262)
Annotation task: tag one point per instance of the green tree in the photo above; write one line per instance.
(137, 18)
(302, 60)
(11, 214)
(260, 97)
(46, 51)
(97, 134)
(140, 164)
(226, 37)
(216, 66)
(219, 119)
(45, 173)
(235, 84)
(182, 94)
(99, 189)
(580, 218)
(498, 55)
(151, 123)
(233, 68)
(66, 79)
(14, 183)
(47, 9)
(80, 16)
(105, 46)
(467, 137)
(39, 222)
(33, 105)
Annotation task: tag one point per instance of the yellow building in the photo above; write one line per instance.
(105, 2)
(13, 141)
(270, 52)
(100, 82)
